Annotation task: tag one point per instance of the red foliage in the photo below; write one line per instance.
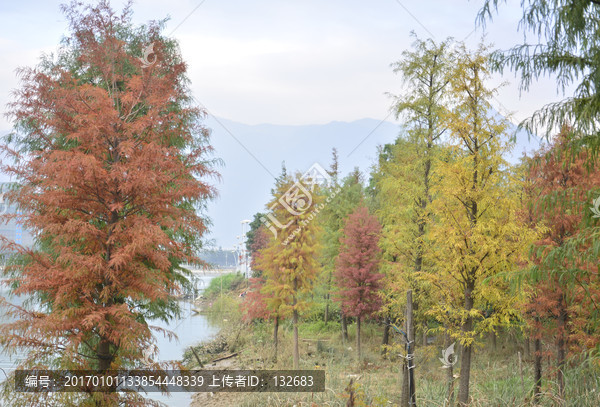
(357, 265)
(560, 186)
(109, 160)
(254, 305)
(260, 241)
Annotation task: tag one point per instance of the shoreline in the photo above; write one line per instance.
(223, 359)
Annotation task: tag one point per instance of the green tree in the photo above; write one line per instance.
(255, 238)
(401, 183)
(423, 108)
(566, 45)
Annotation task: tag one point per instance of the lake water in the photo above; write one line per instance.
(190, 329)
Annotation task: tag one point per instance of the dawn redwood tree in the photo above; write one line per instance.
(260, 240)
(258, 303)
(476, 234)
(342, 199)
(290, 261)
(111, 163)
(559, 40)
(564, 281)
(356, 268)
(403, 178)
(254, 305)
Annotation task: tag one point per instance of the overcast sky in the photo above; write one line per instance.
(284, 62)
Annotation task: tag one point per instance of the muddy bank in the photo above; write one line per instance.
(219, 399)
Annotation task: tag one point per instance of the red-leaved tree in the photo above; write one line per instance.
(564, 281)
(260, 241)
(254, 305)
(111, 162)
(356, 268)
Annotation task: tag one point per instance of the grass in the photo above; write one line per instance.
(495, 375)
(223, 284)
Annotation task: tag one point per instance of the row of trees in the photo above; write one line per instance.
(445, 216)
(112, 166)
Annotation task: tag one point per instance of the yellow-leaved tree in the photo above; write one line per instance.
(402, 180)
(477, 235)
(290, 261)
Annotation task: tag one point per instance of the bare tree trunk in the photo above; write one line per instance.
(493, 340)
(327, 297)
(449, 374)
(409, 389)
(104, 356)
(465, 361)
(386, 335)
(350, 390)
(404, 397)
(537, 348)
(275, 336)
(358, 352)
(295, 322)
(296, 351)
(344, 327)
(405, 389)
(561, 351)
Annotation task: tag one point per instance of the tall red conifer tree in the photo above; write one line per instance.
(356, 268)
(254, 305)
(565, 279)
(112, 164)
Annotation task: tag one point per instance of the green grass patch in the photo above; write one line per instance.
(224, 284)
(315, 328)
(496, 379)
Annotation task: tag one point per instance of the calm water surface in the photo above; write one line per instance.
(190, 329)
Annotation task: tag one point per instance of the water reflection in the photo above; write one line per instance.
(190, 329)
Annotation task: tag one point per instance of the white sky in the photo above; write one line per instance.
(281, 62)
(284, 62)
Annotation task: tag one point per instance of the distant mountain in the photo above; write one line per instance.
(253, 155)
(524, 143)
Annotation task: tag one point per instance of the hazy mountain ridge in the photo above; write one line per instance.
(246, 184)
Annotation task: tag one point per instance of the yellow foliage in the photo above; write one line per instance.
(477, 234)
(289, 262)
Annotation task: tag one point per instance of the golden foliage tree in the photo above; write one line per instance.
(290, 261)
(477, 234)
